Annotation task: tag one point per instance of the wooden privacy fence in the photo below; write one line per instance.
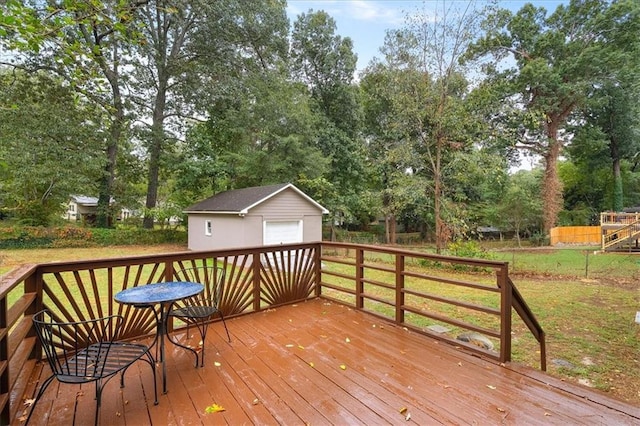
(436, 295)
(575, 235)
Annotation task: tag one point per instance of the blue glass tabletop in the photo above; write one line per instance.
(158, 293)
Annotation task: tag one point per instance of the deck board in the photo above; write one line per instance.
(283, 366)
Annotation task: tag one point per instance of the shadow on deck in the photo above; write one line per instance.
(319, 362)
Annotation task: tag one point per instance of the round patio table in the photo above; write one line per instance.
(165, 295)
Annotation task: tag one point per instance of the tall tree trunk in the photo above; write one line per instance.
(618, 193)
(392, 229)
(103, 211)
(551, 184)
(155, 149)
(437, 201)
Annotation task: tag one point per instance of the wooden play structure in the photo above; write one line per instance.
(620, 231)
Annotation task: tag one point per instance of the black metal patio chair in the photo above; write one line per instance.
(200, 309)
(86, 351)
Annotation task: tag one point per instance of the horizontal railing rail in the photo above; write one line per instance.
(464, 301)
(618, 218)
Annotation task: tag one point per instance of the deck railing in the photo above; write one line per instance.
(620, 230)
(618, 218)
(447, 298)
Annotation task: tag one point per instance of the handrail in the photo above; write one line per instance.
(621, 235)
(531, 322)
(259, 278)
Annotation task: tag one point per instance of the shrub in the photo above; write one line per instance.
(471, 249)
(24, 237)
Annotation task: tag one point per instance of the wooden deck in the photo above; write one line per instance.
(319, 362)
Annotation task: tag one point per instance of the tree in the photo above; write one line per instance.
(179, 55)
(49, 143)
(86, 44)
(430, 87)
(609, 132)
(325, 63)
(556, 59)
(519, 208)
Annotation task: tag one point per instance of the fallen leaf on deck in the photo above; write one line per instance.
(289, 345)
(215, 408)
(460, 364)
(323, 336)
(300, 347)
(126, 402)
(408, 417)
(403, 410)
(343, 367)
(547, 414)
(312, 364)
(347, 340)
(217, 364)
(500, 409)
(256, 401)
(118, 414)
(491, 386)
(22, 418)
(29, 402)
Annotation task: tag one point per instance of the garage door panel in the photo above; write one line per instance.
(282, 232)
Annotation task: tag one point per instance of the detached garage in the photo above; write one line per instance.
(262, 215)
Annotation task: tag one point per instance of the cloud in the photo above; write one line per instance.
(376, 11)
(388, 13)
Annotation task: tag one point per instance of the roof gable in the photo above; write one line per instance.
(240, 201)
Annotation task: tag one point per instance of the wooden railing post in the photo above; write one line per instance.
(5, 412)
(399, 289)
(505, 313)
(359, 275)
(255, 264)
(168, 271)
(318, 265)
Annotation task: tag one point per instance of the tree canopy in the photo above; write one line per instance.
(159, 104)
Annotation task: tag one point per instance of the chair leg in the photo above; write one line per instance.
(203, 335)
(98, 400)
(225, 326)
(39, 395)
(152, 364)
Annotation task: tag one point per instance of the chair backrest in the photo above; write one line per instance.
(211, 277)
(65, 344)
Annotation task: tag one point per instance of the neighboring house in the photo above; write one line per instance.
(264, 215)
(83, 208)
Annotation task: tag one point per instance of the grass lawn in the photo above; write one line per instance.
(585, 302)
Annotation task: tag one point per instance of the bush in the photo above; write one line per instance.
(17, 237)
(470, 249)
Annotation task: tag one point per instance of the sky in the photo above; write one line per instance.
(366, 21)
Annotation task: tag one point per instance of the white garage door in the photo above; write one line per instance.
(282, 232)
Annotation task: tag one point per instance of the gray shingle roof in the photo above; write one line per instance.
(241, 200)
